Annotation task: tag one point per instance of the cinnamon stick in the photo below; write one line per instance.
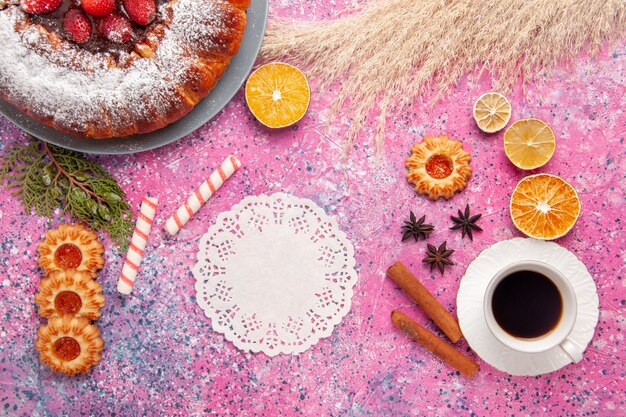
(437, 312)
(437, 346)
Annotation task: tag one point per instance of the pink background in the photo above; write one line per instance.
(162, 356)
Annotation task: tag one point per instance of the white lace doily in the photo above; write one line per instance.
(275, 274)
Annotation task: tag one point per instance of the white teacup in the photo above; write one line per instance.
(558, 336)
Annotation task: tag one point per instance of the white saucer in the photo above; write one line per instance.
(470, 305)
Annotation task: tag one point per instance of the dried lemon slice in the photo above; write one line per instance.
(544, 206)
(278, 94)
(492, 111)
(529, 143)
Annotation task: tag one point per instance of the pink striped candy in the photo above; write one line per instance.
(137, 245)
(204, 191)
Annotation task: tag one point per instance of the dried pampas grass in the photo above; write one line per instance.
(394, 51)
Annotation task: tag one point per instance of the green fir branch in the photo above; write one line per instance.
(46, 177)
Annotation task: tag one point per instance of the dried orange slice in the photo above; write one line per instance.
(492, 111)
(529, 143)
(544, 206)
(278, 94)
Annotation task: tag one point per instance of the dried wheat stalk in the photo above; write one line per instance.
(394, 51)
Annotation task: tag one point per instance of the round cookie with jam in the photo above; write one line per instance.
(439, 167)
(69, 345)
(69, 292)
(71, 246)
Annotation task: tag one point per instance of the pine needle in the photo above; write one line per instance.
(46, 177)
(394, 52)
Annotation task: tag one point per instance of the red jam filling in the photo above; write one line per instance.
(66, 348)
(67, 302)
(68, 256)
(439, 166)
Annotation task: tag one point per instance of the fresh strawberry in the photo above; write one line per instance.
(40, 6)
(141, 12)
(117, 28)
(77, 25)
(98, 8)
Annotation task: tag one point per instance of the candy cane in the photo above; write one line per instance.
(196, 200)
(137, 245)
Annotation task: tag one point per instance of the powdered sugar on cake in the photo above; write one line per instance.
(56, 80)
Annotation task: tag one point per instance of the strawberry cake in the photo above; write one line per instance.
(113, 68)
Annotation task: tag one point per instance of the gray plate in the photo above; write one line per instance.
(223, 92)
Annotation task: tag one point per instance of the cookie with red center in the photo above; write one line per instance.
(77, 25)
(439, 167)
(117, 28)
(141, 12)
(40, 6)
(98, 8)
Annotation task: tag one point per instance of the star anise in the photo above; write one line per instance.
(438, 256)
(466, 223)
(416, 228)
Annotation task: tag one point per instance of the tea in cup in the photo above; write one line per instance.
(531, 307)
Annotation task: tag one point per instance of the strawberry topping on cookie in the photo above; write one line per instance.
(77, 25)
(117, 28)
(98, 8)
(141, 12)
(40, 6)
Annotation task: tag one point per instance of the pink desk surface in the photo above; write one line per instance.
(162, 356)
